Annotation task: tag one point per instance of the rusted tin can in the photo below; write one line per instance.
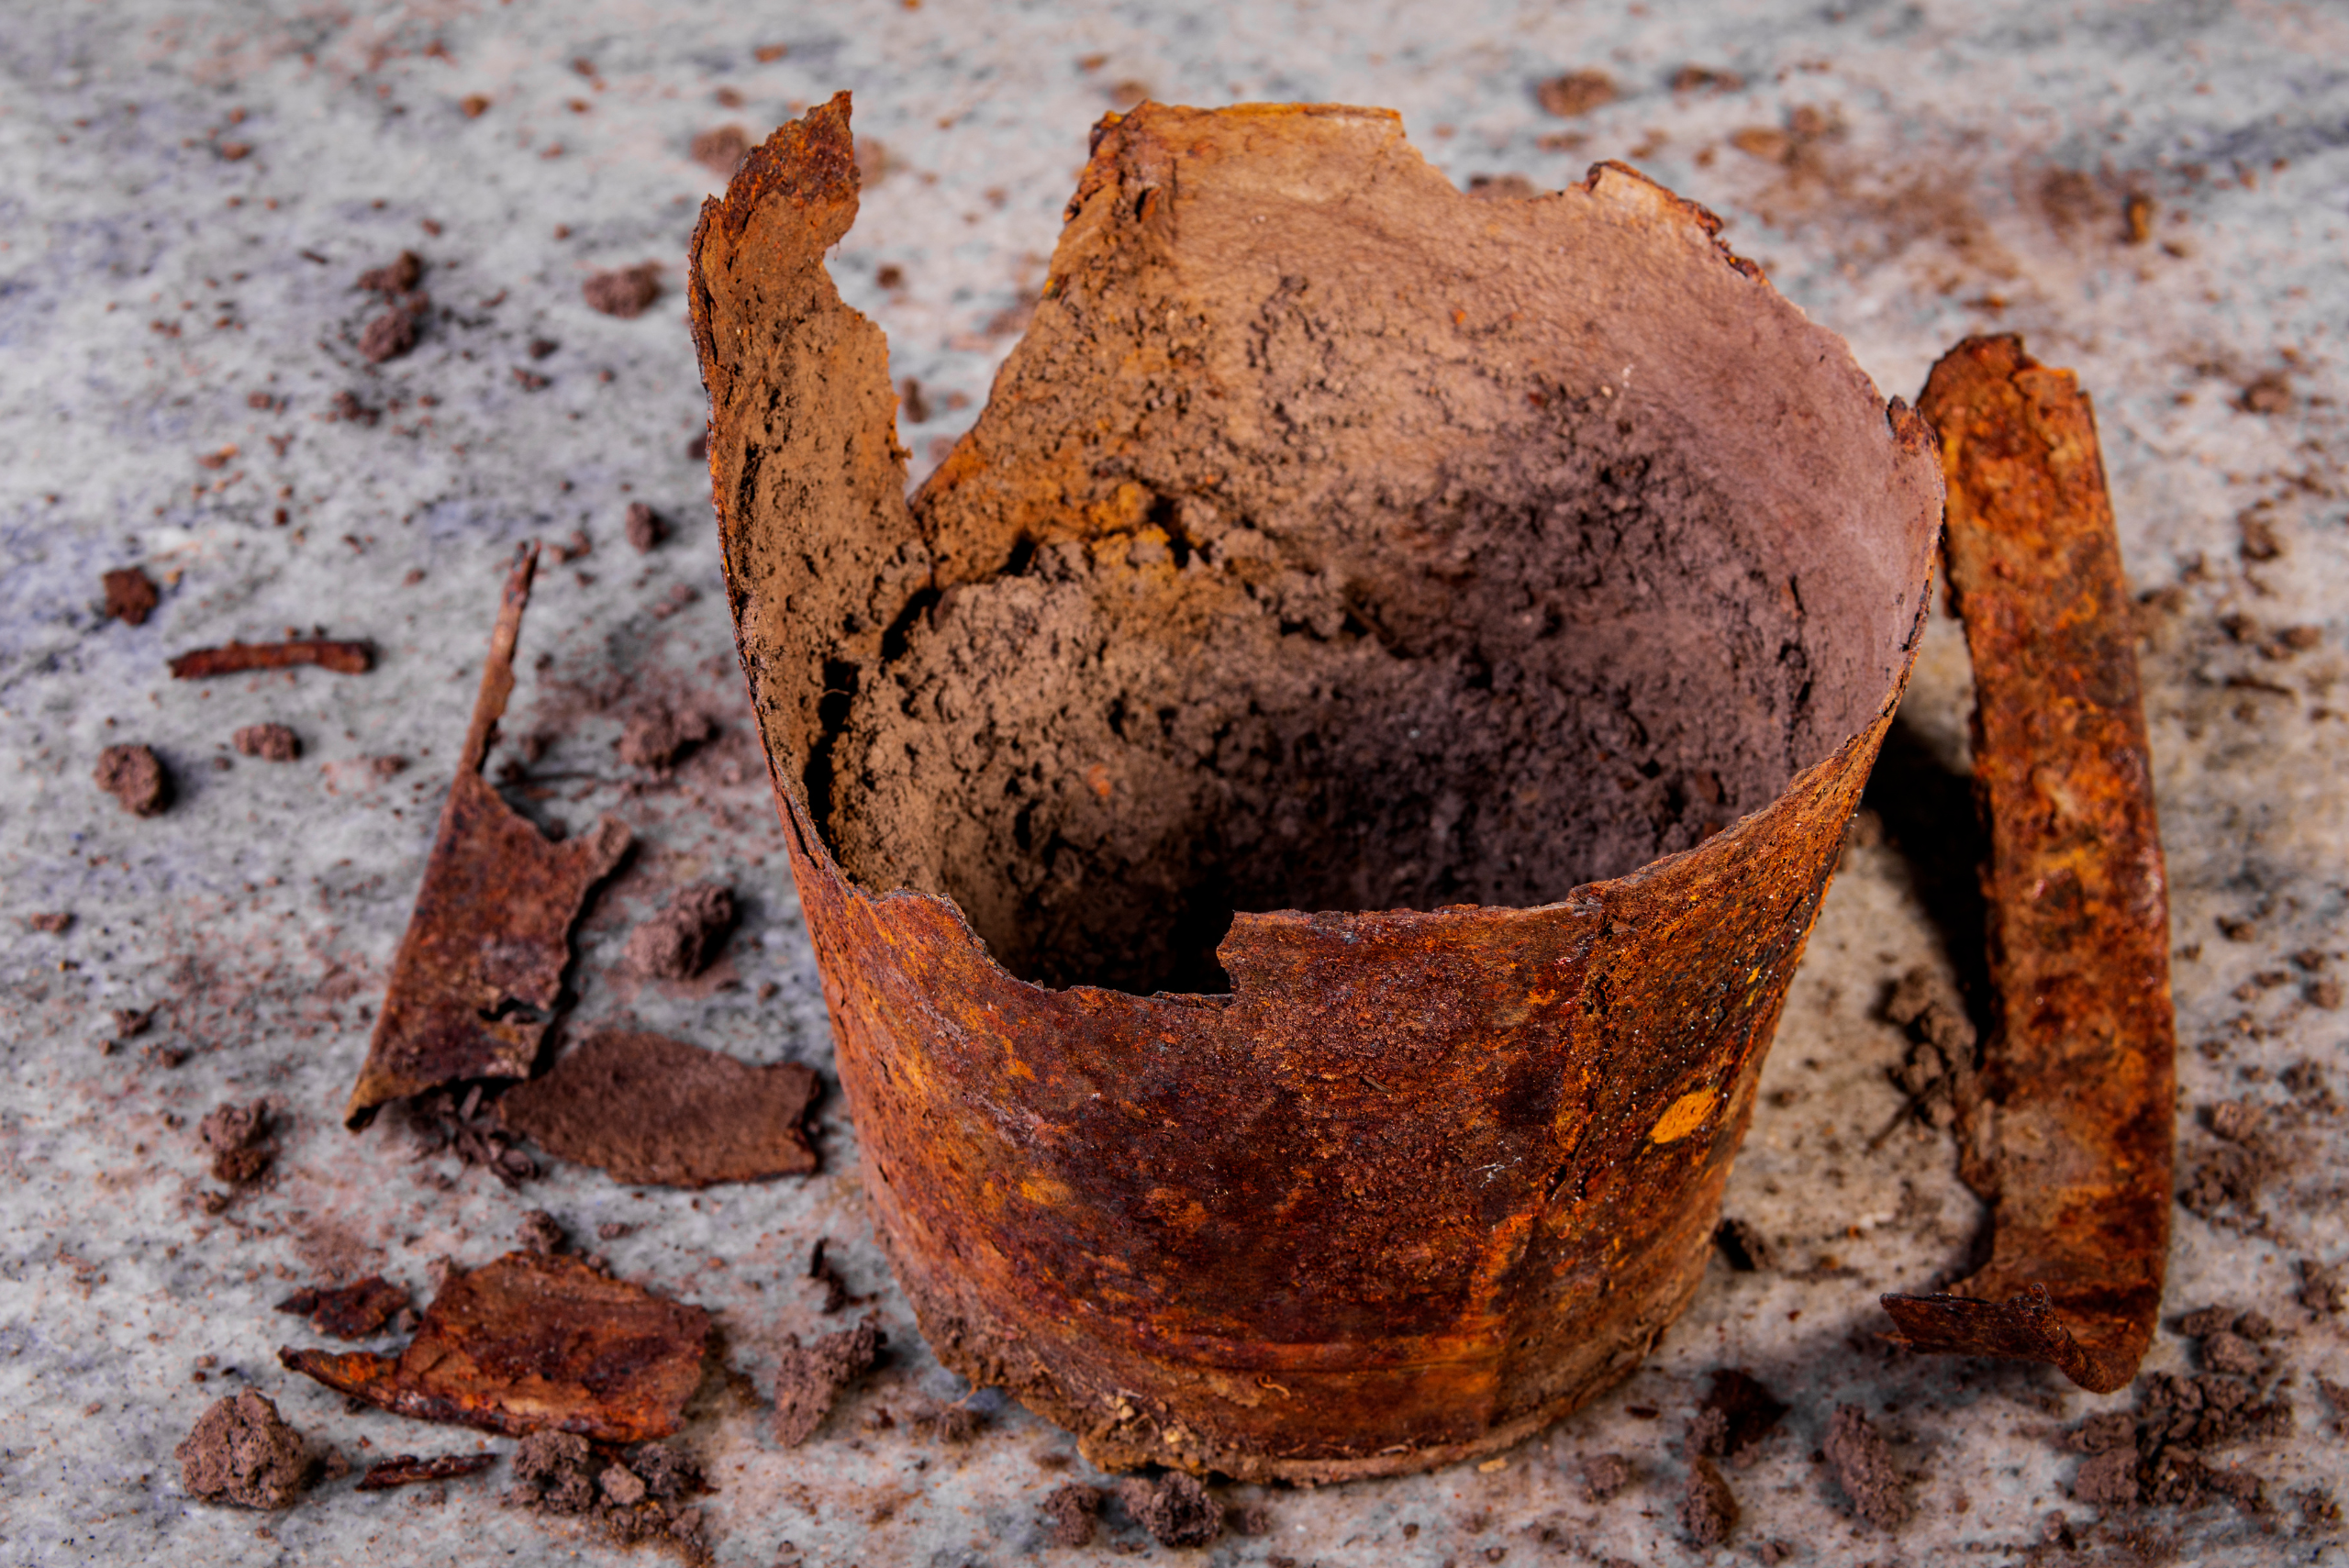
(1627, 562)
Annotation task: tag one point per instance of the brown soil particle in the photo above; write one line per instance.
(388, 337)
(1576, 92)
(56, 922)
(1604, 1474)
(645, 528)
(1069, 1512)
(1708, 1508)
(542, 1233)
(399, 275)
(407, 1470)
(1737, 1414)
(652, 1110)
(241, 1453)
(627, 292)
(479, 967)
(237, 1136)
(679, 942)
(1863, 1464)
(270, 742)
(657, 736)
(811, 1378)
(351, 1312)
(135, 776)
(721, 150)
(527, 1343)
(553, 1468)
(130, 597)
(1175, 1509)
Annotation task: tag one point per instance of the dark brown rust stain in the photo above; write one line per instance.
(481, 965)
(1425, 1179)
(407, 1470)
(2073, 1143)
(534, 1341)
(236, 658)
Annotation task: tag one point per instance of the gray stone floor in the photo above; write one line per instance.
(189, 192)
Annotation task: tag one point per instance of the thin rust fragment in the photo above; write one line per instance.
(531, 1342)
(351, 1312)
(408, 1470)
(235, 658)
(2072, 1141)
(656, 1111)
(482, 963)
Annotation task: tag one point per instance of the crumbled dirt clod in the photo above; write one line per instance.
(645, 528)
(1070, 1513)
(554, 1470)
(1863, 1464)
(621, 1484)
(237, 1136)
(135, 776)
(353, 1311)
(659, 735)
(1575, 93)
(1708, 1508)
(388, 337)
(652, 1110)
(811, 1378)
(1175, 1509)
(396, 276)
(1604, 1474)
(541, 1233)
(130, 597)
(270, 742)
(1738, 1412)
(527, 1343)
(679, 942)
(241, 1451)
(626, 292)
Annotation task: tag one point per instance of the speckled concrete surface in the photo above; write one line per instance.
(190, 192)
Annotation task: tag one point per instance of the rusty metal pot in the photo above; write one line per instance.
(1620, 564)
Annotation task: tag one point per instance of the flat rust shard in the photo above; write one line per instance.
(533, 1342)
(481, 966)
(661, 1112)
(2071, 1142)
(1306, 816)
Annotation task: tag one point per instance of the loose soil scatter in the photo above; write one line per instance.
(627, 291)
(407, 1470)
(2153, 1454)
(440, 1119)
(130, 597)
(1175, 1509)
(1938, 1074)
(1069, 1512)
(811, 1378)
(2075, 1151)
(237, 1138)
(236, 658)
(480, 968)
(530, 1343)
(270, 742)
(679, 942)
(240, 1452)
(1863, 1464)
(644, 527)
(353, 1311)
(1131, 682)
(135, 776)
(629, 1497)
(656, 737)
(655, 1111)
(1707, 1508)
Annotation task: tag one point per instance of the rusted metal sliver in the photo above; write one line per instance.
(2072, 1145)
(480, 966)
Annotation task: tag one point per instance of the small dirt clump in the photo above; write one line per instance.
(398, 276)
(388, 337)
(238, 1138)
(270, 742)
(679, 942)
(811, 1378)
(130, 597)
(1069, 1512)
(1708, 1508)
(1863, 1464)
(645, 528)
(721, 150)
(135, 776)
(625, 292)
(658, 737)
(1604, 1474)
(1175, 1509)
(353, 1311)
(241, 1451)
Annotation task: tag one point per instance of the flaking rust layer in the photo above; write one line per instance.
(1425, 1178)
(2072, 1143)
